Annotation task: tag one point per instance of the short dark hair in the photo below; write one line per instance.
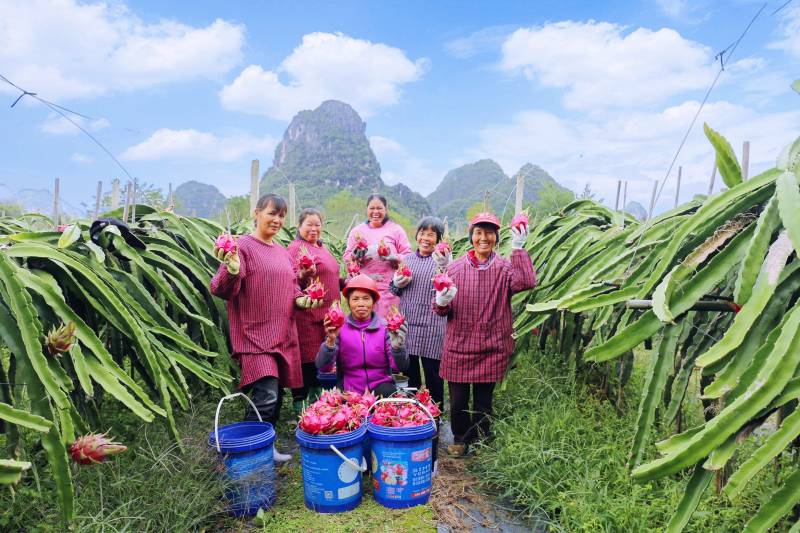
(486, 226)
(434, 224)
(304, 214)
(382, 198)
(276, 200)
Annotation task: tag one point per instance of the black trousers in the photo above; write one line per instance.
(385, 389)
(430, 367)
(309, 380)
(267, 394)
(469, 424)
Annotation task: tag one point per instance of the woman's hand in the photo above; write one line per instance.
(400, 281)
(445, 296)
(398, 338)
(230, 259)
(305, 302)
(519, 237)
(441, 260)
(331, 332)
(305, 273)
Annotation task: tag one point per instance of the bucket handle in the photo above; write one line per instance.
(219, 406)
(350, 462)
(404, 400)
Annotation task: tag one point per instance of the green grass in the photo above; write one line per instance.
(560, 453)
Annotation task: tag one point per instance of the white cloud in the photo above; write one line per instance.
(399, 166)
(325, 66)
(636, 146)
(601, 65)
(65, 49)
(81, 158)
(196, 145)
(790, 31)
(484, 40)
(57, 125)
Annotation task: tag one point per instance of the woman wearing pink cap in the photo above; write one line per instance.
(477, 341)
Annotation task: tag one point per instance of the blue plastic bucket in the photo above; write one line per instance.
(331, 480)
(327, 380)
(401, 464)
(245, 463)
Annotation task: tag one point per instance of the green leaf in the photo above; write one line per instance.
(11, 471)
(71, 234)
(24, 418)
(779, 504)
(767, 223)
(727, 164)
(697, 485)
(109, 382)
(788, 196)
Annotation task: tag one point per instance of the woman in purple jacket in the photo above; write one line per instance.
(364, 350)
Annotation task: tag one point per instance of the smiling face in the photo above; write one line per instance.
(483, 240)
(376, 212)
(361, 304)
(311, 229)
(426, 241)
(269, 221)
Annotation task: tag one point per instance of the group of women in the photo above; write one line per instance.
(460, 334)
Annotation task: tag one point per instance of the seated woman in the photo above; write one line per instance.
(364, 350)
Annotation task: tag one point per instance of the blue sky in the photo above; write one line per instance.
(591, 91)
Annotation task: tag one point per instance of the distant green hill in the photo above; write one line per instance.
(198, 199)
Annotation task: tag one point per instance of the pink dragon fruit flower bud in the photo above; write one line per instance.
(442, 281)
(94, 448)
(394, 319)
(59, 340)
(316, 290)
(335, 315)
(225, 242)
(519, 220)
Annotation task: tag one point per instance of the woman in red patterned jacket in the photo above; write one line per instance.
(259, 283)
(477, 341)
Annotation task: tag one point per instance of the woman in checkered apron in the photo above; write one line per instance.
(478, 342)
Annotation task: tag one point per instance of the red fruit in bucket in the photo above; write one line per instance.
(403, 270)
(94, 448)
(519, 220)
(304, 259)
(383, 249)
(335, 315)
(394, 319)
(442, 281)
(316, 290)
(225, 242)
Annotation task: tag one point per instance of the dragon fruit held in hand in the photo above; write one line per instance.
(383, 249)
(304, 259)
(353, 268)
(442, 281)
(62, 228)
(403, 270)
(59, 340)
(519, 220)
(443, 248)
(335, 315)
(394, 319)
(360, 248)
(225, 242)
(400, 415)
(94, 448)
(336, 412)
(316, 290)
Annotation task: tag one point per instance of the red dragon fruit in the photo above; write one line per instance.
(360, 248)
(403, 270)
(394, 319)
(59, 340)
(225, 242)
(353, 268)
(406, 414)
(62, 228)
(519, 220)
(304, 259)
(94, 448)
(442, 281)
(443, 248)
(315, 290)
(383, 249)
(335, 315)
(336, 412)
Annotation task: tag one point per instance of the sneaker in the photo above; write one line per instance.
(457, 450)
(279, 457)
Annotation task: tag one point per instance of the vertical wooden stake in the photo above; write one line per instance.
(253, 185)
(625, 195)
(292, 206)
(114, 193)
(133, 202)
(128, 188)
(486, 196)
(652, 200)
(98, 196)
(678, 186)
(170, 205)
(745, 160)
(713, 177)
(520, 193)
(616, 202)
(56, 207)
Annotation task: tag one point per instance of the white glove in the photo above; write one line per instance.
(305, 302)
(398, 338)
(441, 260)
(444, 297)
(401, 281)
(519, 237)
(372, 252)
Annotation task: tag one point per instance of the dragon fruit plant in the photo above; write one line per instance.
(94, 448)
